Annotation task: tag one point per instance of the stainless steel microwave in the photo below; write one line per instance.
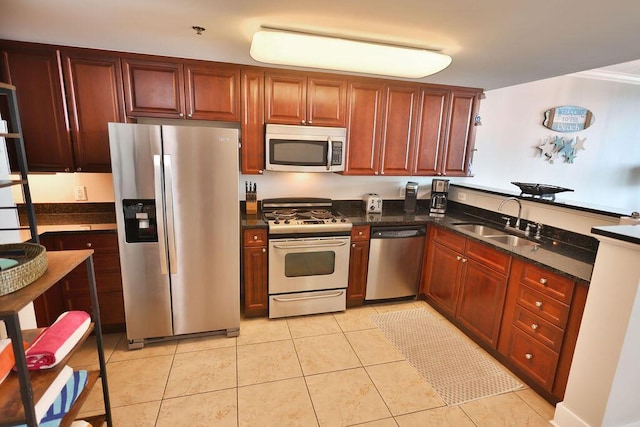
(290, 148)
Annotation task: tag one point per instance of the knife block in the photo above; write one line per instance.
(252, 207)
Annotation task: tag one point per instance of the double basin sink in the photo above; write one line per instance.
(497, 236)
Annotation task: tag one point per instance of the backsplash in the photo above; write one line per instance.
(70, 213)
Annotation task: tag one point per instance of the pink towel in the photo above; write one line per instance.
(55, 342)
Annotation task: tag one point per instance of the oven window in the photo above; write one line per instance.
(309, 264)
(298, 153)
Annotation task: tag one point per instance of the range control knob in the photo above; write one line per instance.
(286, 221)
(334, 220)
(276, 221)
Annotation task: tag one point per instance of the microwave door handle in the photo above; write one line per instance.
(329, 153)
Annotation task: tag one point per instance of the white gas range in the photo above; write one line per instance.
(309, 247)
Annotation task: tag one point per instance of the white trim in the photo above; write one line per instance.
(612, 76)
(566, 418)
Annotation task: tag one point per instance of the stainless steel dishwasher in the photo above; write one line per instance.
(395, 262)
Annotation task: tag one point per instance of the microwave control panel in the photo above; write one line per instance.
(336, 155)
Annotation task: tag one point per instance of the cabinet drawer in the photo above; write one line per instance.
(542, 305)
(99, 242)
(255, 237)
(534, 358)
(489, 257)
(558, 287)
(538, 328)
(360, 233)
(447, 238)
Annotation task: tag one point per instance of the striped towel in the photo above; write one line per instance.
(56, 341)
(65, 399)
(52, 394)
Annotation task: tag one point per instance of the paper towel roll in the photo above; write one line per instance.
(634, 219)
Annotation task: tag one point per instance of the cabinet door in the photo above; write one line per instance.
(327, 101)
(153, 88)
(358, 265)
(252, 125)
(35, 73)
(398, 136)
(286, 99)
(363, 128)
(95, 98)
(443, 270)
(461, 133)
(212, 92)
(481, 301)
(431, 131)
(256, 301)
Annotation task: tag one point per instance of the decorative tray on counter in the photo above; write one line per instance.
(540, 190)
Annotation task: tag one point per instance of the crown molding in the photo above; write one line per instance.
(611, 76)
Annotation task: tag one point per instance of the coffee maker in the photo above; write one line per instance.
(439, 191)
(410, 197)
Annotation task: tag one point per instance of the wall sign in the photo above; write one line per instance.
(568, 118)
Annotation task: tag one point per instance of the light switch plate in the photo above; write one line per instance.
(80, 193)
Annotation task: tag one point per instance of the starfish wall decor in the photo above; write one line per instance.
(553, 147)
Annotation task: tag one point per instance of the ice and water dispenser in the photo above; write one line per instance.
(140, 220)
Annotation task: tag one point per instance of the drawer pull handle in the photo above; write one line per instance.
(534, 326)
(543, 281)
(538, 304)
(89, 245)
(528, 356)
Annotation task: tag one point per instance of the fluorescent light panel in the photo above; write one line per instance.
(310, 50)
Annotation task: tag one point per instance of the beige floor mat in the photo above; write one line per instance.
(457, 370)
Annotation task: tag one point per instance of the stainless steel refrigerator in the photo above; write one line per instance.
(177, 211)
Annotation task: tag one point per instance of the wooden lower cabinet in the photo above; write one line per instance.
(466, 281)
(358, 265)
(254, 272)
(71, 293)
(542, 316)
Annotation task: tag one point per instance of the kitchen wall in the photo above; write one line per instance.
(606, 173)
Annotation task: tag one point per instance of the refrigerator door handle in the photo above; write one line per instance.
(157, 185)
(171, 234)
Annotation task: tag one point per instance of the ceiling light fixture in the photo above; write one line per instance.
(315, 51)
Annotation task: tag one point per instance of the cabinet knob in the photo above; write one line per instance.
(304, 122)
(310, 121)
(382, 173)
(528, 356)
(79, 170)
(543, 281)
(190, 115)
(375, 173)
(464, 260)
(260, 171)
(538, 304)
(359, 233)
(458, 257)
(89, 244)
(264, 250)
(67, 170)
(255, 237)
(534, 326)
(181, 115)
(353, 245)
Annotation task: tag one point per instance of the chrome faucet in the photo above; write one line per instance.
(517, 225)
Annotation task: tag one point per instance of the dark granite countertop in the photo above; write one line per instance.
(626, 233)
(562, 252)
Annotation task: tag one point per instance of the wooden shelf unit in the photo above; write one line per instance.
(31, 385)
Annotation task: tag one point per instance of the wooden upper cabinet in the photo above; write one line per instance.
(35, 72)
(252, 123)
(212, 92)
(363, 128)
(292, 98)
(398, 136)
(95, 98)
(327, 99)
(431, 131)
(153, 88)
(461, 132)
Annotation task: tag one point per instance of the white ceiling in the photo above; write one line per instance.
(494, 43)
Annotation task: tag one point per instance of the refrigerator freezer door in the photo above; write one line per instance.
(202, 168)
(147, 296)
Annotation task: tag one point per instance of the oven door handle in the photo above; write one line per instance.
(314, 245)
(335, 294)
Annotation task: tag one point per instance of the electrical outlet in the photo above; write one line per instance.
(80, 193)
(462, 196)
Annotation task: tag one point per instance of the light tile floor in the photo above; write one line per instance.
(322, 370)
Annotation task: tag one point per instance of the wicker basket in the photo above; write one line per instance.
(32, 263)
